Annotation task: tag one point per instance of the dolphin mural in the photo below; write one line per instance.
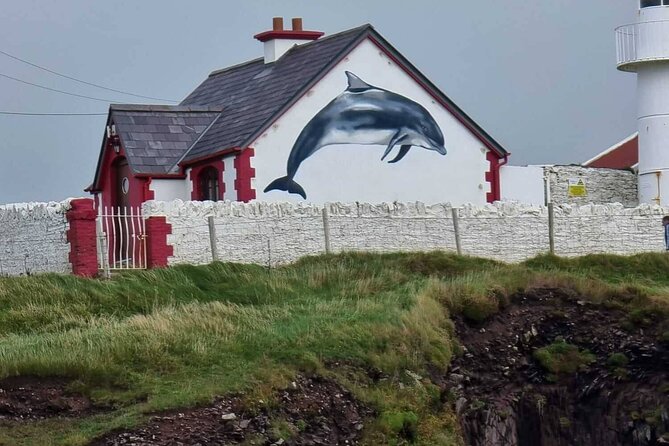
(366, 115)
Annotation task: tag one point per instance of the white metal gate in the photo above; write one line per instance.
(121, 238)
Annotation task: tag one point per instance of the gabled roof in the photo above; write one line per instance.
(622, 155)
(255, 94)
(156, 137)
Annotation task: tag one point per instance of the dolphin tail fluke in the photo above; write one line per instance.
(287, 184)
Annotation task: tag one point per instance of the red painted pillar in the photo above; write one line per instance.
(157, 249)
(82, 237)
(245, 173)
(492, 177)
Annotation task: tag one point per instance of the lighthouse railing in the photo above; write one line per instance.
(641, 42)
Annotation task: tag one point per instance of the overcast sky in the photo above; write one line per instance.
(539, 76)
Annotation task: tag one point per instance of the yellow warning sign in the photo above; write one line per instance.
(577, 188)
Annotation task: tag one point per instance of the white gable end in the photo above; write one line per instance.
(354, 172)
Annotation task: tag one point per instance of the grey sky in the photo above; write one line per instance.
(539, 76)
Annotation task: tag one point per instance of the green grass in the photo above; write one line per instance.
(153, 340)
(561, 358)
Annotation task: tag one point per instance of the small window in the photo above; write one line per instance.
(650, 3)
(209, 184)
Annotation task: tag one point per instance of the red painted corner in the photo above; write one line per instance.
(245, 175)
(157, 249)
(81, 236)
(148, 193)
(492, 176)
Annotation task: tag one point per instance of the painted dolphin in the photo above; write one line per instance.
(365, 115)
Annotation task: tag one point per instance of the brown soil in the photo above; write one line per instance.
(311, 411)
(31, 398)
(505, 398)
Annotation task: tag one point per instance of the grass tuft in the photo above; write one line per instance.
(561, 358)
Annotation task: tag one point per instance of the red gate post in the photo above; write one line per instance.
(82, 237)
(157, 249)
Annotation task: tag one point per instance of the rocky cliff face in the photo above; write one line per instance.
(618, 394)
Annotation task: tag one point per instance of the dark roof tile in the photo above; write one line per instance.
(253, 92)
(153, 142)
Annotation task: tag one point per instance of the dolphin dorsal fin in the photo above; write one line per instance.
(355, 83)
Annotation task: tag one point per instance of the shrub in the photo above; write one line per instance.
(404, 424)
(617, 360)
(562, 358)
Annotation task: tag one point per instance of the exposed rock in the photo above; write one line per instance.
(510, 400)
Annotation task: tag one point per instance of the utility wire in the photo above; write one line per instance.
(57, 91)
(83, 81)
(50, 114)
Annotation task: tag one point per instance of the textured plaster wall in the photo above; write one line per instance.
(602, 185)
(33, 238)
(276, 233)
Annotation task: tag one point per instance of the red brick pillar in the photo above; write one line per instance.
(157, 249)
(82, 237)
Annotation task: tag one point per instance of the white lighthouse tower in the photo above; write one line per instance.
(643, 48)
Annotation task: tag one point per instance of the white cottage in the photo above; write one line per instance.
(344, 117)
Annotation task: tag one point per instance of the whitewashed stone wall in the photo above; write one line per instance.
(277, 233)
(504, 231)
(33, 238)
(612, 229)
(602, 185)
(262, 233)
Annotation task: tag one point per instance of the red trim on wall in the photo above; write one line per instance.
(161, 176)
(82, 237)
(107, 180)
(157, 249)
(148, 193)
(288, 34)
(492, 176)
(219, 165)
(205, 158)
(245, 175)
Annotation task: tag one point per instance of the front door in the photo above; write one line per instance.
(122, 207)
(123, 175)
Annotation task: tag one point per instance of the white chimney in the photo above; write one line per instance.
(278, 41)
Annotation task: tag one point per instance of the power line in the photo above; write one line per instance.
(82, 81)
(56, 90)
(50, 114)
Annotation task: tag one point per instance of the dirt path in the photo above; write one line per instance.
(31, 398)
(505, 398)
(312, 411)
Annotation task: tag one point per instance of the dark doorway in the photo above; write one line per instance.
(121, 209)
(122, 191)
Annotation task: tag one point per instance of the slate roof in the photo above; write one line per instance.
(254, 92)
(156, 138)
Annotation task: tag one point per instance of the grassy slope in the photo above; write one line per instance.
(168, 338)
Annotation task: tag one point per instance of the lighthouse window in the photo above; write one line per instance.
(649, 3)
